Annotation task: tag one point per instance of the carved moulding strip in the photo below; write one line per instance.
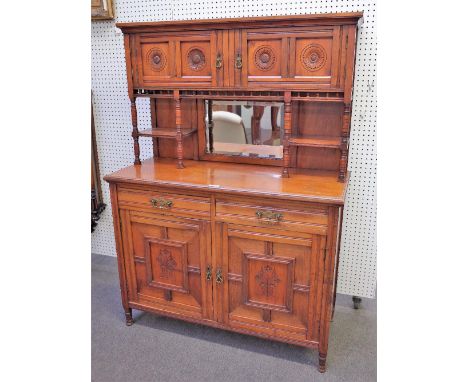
(313, 57)
(196, 59)
(265, 57)
(157, 59)
(268, 281)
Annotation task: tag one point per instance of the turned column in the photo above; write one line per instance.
(178, 121)
(345, 141)
(287, 133)
(136, 144)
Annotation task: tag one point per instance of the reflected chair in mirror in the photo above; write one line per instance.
(228, 127)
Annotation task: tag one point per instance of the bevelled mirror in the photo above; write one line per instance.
(247, 129)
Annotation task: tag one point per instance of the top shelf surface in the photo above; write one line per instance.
(350, 17)
(238, 179)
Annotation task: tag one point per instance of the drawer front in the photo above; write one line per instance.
(295, 217)
(164, 202)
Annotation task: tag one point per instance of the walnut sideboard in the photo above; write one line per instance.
(245, 241)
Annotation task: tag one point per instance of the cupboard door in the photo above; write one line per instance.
(264, 57)
(175, 59)
(289, 58)
(270, 282)
(315, 57)
(165, 261)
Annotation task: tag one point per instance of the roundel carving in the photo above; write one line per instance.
(264, 57)
(196, 59)
(313, 57)
(157, 59)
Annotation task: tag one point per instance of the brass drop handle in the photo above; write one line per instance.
(238, 63)
(161, 203)
(219, 61)
(219, 276)
(269, 216)
(208, 272)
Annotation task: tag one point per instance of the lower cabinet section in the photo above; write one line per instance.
(258, 277)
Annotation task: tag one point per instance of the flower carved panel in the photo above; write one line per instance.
(156, 59)
(267, 279)
(313, 57)
(196, 59)
(166, 262)
(265, 57)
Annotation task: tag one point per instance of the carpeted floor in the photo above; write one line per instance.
(166, 350)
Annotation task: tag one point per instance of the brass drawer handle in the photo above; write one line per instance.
(219, 61)
(208, 272)
(219, 276)
(269, 216)
(238, 63)
(161, 203)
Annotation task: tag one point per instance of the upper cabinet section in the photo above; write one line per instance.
(306, 52)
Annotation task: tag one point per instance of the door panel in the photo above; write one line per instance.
(315, 57)
(175, 58)
(264, 56)
(165, 262)
(270, 283)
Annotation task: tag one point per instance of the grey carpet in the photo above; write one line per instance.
(160, 349)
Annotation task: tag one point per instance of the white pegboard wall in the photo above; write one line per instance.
(357, 271)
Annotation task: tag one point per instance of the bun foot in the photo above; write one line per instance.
(322, 362)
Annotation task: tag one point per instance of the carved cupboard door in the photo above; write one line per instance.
(270, 281)
(315, 56)
(165, 262)
(262, 56)
(175, 59)
(292, 57)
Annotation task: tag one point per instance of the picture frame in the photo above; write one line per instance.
(102, 10)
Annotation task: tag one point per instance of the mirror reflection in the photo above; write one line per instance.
(244, 128)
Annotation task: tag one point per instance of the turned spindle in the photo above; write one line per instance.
(178, 119)
(136, 144)
(344, 142)
(287, 133)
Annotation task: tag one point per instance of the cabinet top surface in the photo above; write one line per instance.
(344, 17)
(241, 179)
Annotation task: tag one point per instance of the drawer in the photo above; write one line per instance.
(164, 202)
(301, 218)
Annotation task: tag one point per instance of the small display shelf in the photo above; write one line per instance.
(316, 141)
(164, 132)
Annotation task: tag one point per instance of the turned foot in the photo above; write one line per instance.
(356, 302)
(322, 362)
(128, 317)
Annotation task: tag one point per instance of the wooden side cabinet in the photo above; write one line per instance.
(219, 230)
